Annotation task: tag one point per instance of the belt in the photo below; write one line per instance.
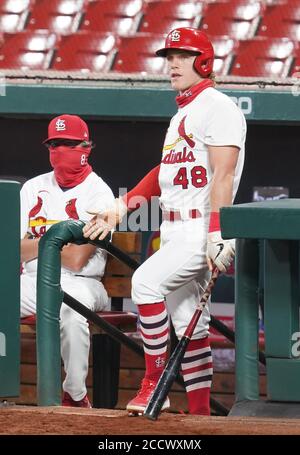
(176, 216)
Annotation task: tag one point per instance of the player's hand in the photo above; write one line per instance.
(220, 252)
(102, 223)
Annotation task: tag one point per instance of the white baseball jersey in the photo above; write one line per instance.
(44, 203)
(178, 271)
(211, 118)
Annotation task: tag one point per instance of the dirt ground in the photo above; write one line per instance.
(27, 420)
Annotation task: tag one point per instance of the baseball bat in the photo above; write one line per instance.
(106, 245)
(172, 368)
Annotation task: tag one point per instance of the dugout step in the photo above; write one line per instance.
(260, 408)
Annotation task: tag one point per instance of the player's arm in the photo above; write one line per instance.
(28, 245)
(29, 249)
(143, 191)
(75, 257)
(102, 223)
(223, 161)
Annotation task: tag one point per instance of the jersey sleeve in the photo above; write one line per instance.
(99, 195)
(24, 209)
(100, 198)
(225, 125)
(144, 190)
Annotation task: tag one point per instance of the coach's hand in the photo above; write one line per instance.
(102, 223)
(219, 251)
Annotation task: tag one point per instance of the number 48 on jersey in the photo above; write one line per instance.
(196, 177)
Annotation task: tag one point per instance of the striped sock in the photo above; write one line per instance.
(197, 375)
(155, 331)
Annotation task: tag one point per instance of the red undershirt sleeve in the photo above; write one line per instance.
(144, 190)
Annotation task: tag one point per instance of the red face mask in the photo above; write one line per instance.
(70, 165)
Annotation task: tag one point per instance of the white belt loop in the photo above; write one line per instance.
(185, 213)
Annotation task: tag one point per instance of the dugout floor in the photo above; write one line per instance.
(29, 420)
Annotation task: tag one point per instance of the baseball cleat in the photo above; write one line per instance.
(138, 404)
(67, 400)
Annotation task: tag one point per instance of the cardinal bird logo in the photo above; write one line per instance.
(71, 209)
(35, 210)
(182, 133)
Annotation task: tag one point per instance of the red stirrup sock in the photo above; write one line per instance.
(197, 375)
(155, 331)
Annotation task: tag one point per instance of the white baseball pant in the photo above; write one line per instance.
(74, 328)
(177, 272)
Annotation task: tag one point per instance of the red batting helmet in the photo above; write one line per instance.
(194, 40)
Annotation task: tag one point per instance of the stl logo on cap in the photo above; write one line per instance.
(60, 125)
(175, 35)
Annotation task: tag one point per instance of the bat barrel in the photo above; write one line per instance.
(166, 380)
(172, 368)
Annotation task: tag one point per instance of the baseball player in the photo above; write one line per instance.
(200, 169)
(47, 199)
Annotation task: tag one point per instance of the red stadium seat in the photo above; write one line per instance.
(13, 15)
(116, 16)
(28, 50)
(295, 69)
(264, 57)
(86, 51)
(238, 19)
(281, 21)
(137, 55)
(161, 17)
(60, 16)
(225, 48)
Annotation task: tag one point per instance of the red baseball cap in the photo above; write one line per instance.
(68, 127)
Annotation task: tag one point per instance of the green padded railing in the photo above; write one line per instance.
(276, 224)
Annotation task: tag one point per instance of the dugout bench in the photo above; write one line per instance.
(104, 349)
(273, 228)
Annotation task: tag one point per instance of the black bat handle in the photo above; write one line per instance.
(116, 252)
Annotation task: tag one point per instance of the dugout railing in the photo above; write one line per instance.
(276, 224)
(48, 275)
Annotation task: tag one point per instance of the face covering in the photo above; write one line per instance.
(190, 94)
(70, 165)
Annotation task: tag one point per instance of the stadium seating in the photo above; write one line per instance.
(86, 51)
(238, 19)
(13, 15)
(162, 16)
(116, 16)
(28, 50)
(137, 54)
(225, 48)
(251, 37)
(60, 16)
(264, 57)
(282, 21)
